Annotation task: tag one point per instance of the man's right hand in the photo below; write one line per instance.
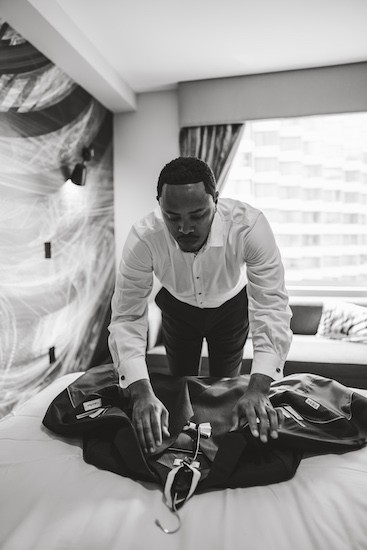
(150, 416)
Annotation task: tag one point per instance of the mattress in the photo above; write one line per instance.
(51, 499)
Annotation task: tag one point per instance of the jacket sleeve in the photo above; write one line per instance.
(128, 327)
(269, 311)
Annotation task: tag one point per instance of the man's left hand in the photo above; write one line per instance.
(255, 408)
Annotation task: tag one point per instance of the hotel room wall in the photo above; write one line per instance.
(144, 141)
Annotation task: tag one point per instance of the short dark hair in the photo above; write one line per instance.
(184, 170)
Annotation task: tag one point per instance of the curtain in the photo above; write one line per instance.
(215, 144)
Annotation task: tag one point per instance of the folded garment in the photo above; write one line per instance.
(201, 454)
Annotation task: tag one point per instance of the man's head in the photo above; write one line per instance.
(187, 195)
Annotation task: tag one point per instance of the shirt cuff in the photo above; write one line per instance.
(131, 371)
(268, 364)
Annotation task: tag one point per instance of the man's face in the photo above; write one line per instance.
(188, 211)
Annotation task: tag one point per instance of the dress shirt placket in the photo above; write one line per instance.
(197, 274)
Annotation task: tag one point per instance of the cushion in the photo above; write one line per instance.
(305, 318)
(343, 321)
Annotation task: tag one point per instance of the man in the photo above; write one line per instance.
(220, 270)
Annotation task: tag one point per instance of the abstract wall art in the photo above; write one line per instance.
(56, 238)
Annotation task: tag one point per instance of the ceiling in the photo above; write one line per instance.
(152, 45)
(157, 43)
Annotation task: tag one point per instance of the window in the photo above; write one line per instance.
(267, 138)
(291, 143)
(309, 177)
(265, 164)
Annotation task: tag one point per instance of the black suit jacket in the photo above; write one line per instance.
(321, 416)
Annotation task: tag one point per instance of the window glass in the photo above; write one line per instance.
(309, 177)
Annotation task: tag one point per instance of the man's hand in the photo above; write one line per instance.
(150, 416)
(255, 408)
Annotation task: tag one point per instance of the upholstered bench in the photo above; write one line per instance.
(342, 360)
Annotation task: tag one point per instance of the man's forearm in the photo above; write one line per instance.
(260, 382)
(140, 389)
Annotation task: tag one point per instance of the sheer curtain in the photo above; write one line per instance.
(215, 144)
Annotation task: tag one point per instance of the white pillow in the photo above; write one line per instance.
(343, 321)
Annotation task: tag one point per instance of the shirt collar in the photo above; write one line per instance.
(215, 237)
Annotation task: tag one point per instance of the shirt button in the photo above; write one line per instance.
(278, 369)
(122, 377)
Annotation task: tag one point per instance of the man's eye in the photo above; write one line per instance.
(173, 218)
(198, 216)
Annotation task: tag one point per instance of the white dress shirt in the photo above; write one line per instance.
(240, 250)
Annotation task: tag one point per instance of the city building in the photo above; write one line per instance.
(309, 176)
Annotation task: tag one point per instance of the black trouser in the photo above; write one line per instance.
(225, 329)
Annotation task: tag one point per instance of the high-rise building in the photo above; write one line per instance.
(309, 177)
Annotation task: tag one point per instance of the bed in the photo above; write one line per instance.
(51, 499)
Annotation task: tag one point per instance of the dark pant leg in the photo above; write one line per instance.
(181, 334)
(226, 336)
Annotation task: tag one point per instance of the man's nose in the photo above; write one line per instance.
(185, 227)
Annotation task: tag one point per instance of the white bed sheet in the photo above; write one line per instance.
(51, 499)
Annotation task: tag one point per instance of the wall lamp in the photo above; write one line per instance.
(79, 174)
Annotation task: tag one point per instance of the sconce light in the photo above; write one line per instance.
(79, 174)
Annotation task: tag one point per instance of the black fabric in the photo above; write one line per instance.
(184, 327)
(321, 416)
(305, 318)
